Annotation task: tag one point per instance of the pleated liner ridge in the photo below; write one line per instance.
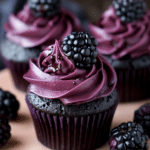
(133, 85)
(17, 71)
(72, 133)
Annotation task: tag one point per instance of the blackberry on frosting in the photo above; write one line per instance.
(81, 47)
(128, 136)
(44, 8)
(142, 116)
(129, 10)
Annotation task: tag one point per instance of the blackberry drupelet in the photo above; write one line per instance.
(128, 136)
(4, 132)
(129, 10)
(44, 8)
(142, 116)
(8, 105)
(81, 47)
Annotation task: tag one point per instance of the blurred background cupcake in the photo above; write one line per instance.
(31, 30)
(96, 8)
(7, 7)
(123, 35)
(66, 111)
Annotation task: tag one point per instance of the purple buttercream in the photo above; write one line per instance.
(29, 31)
(118, 39)
(55, 76)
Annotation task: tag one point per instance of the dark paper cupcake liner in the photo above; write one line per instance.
(17, 71)
(72, 133)
(133, 85)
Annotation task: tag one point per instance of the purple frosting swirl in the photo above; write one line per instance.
(29, 31)
(55, 76)
(118, 39)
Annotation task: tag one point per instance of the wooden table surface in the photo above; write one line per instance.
(22, 130)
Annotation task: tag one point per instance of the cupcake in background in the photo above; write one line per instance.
(71, 95)
(30, 31)
(123, 35)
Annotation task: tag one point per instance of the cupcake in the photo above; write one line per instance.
(71, 96)
(30, 31)
(123, 37)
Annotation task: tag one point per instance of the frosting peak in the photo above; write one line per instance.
(29, 31)
(53, 61)
(68, 83)
(119, 39)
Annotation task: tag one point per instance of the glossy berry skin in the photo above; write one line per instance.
(44, 8)
(142, 116)
(4, 132)
(8, 105)
(128, 136)
(81, 48)
(129, 10)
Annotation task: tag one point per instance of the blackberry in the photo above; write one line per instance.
(128, 136)
(142, 116)
(4, 132)
(129, 10)
(8, 105)
(44, 8)
(81, 47)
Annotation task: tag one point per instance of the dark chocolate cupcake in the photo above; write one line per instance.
(33, 29)
(16, 58)
(123, 35)
(72, 101)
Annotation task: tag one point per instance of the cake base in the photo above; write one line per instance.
(17, 71)
(16, 59)
(133, 78)
(67, 130)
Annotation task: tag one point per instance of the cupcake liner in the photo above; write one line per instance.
(133, 84)
(72, 132)
(17, 71)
